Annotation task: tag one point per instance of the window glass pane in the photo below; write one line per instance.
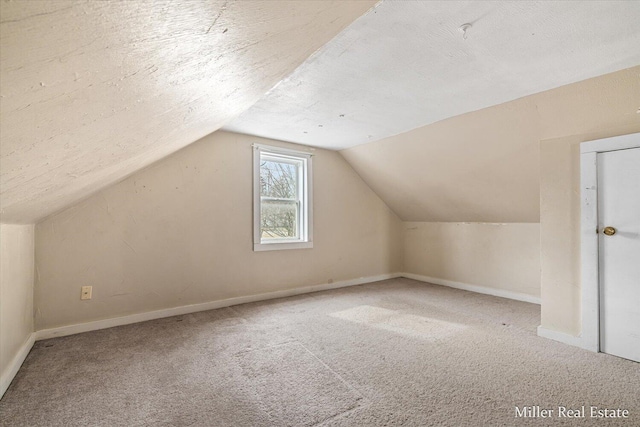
(282, 199)
(279, 219)
(279, 212)
(278, 179)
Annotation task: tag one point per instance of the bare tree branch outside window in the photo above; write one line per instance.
(279, 204)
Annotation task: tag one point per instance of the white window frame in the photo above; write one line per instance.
(305, 188)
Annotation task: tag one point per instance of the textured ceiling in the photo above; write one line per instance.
(485, 166)
(92, 91)
(407, 64)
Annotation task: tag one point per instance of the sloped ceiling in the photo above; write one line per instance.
(484, 166)
(92, 91)
(408, 64)
(445, 124)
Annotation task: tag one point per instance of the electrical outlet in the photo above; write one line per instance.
(86, 292)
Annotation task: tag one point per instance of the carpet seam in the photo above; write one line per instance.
(362, 396)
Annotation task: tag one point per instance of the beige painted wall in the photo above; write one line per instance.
(477, 167)
(484, 166)
(597, 108)
(499, 256)
(180, 232)
(16, 290)
(514, 162)
(560, 227)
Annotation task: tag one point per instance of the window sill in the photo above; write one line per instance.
(258, 247)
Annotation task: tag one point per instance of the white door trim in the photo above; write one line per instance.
(590, 336)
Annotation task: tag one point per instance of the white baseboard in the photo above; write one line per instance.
(475, 288)
(186, 309)
(564, 338)
(61, 331)
(11, 370)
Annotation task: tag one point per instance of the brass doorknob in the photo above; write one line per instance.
(609, 231)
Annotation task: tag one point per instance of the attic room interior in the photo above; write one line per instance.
(319, 213)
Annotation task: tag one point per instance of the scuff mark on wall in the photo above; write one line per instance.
(129, 246)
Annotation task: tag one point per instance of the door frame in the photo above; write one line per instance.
(589, 235)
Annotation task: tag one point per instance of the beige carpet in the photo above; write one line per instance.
(396, 352)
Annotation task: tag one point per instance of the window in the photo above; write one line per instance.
(282, 202)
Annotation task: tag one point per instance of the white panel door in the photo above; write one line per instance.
(619, 252)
